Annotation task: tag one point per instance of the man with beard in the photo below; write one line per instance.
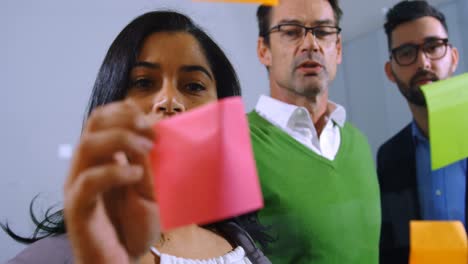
(316, 170)
(420, 53)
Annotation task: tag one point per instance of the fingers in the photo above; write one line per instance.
(100, 147)
(110, 159)
(81, 194)
(144, 187)
(125, 115)
(122, 128)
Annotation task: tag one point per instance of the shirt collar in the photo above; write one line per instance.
(418, 136)
(282, 113)
(337, 113)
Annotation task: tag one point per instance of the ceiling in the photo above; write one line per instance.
(362, 16)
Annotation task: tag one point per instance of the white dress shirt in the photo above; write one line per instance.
(296, 122)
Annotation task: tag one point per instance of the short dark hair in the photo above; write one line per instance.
(407, 11)
(264, 18)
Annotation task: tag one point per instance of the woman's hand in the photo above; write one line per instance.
(110, 210)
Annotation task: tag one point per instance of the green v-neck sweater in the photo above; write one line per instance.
(319, 211)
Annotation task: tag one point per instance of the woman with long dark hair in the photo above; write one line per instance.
(161, 64)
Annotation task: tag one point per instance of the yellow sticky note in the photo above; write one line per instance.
(438, 242)
(447, 105)
(262, 2)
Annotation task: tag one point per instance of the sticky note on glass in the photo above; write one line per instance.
(447, 104)
(203, 165)
(261, 2)
(436, 242)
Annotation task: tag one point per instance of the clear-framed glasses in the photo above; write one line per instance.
(407, 54)
(295, 33)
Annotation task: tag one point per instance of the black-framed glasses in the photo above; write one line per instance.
(407, 54)
(294, 33)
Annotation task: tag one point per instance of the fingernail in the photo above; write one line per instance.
(145, 143)
(142, 123)
(121, 158)
(137, 170)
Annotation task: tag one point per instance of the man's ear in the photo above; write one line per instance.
(455, 58)
(389, 72)
(263, 52)
(339, 49)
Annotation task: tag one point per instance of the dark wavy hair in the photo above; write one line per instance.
(264, 18)
(112, 84)
(407, 11)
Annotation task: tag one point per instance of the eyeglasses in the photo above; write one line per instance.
(407, 54)
(294, 33)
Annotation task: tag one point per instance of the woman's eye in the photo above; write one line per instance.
(195, 87)
(142, 83)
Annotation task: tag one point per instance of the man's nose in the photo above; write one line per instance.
(309, 41)
(422, 60)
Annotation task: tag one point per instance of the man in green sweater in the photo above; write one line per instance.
(316, 170)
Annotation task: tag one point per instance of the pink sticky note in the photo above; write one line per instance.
(203, 165)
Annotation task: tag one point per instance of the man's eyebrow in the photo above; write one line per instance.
(290, 21)
(325, 22)
(316, 22)
(426, 39)
(432, 38)
(192, 68)
(146, 64)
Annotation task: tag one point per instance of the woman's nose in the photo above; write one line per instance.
(168, 105)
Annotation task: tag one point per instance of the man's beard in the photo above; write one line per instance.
(315, 84)
(413, 92)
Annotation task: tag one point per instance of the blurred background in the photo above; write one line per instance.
(50, 52)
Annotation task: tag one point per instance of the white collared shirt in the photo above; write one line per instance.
(296, 122)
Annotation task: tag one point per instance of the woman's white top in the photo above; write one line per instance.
(237, 256)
